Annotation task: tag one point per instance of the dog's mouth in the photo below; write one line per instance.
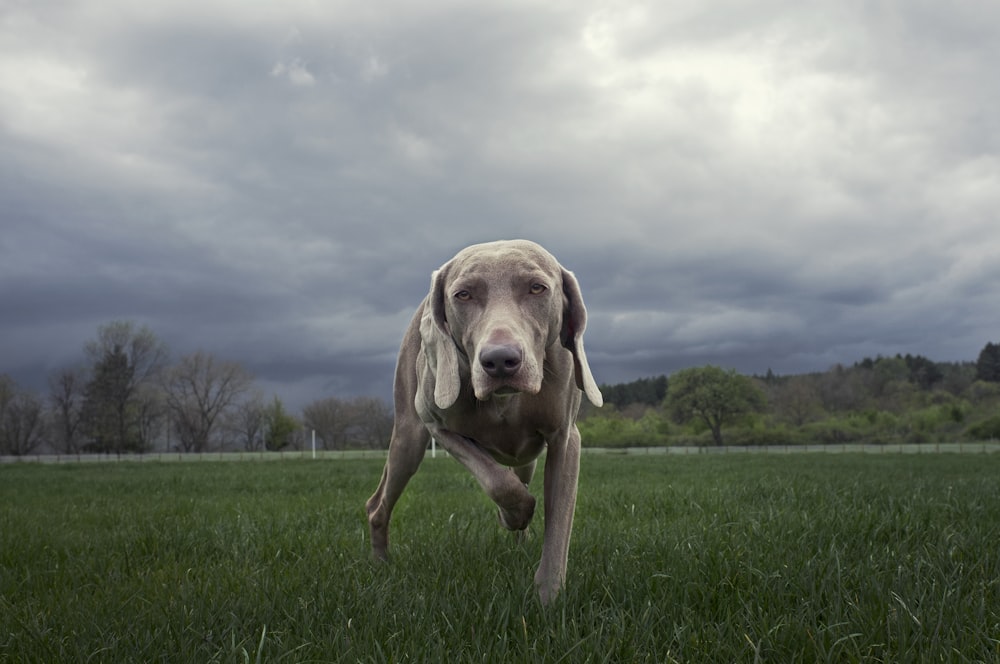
(485, 386)
(505, 392)
(501, 392)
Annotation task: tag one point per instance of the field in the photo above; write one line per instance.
(711, 558)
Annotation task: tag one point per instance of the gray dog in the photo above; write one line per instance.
(492, 366)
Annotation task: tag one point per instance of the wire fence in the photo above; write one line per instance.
(194, 457)
(984, 447)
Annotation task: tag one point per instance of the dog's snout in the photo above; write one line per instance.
(501, 360)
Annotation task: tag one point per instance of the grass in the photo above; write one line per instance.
(735, 558)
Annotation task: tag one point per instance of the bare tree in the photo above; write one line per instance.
(145, 352)
(66, 398)
(246, 421)
(21, 422)
(150, 413)
(796, 399)
(373, 421)
(330, 420)
(199, 390)
(338, 423)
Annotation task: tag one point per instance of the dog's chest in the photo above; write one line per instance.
(504, 427)
(511, 416)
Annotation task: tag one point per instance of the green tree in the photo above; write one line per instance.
(650, 391)
(106, 404)
(281, 426)
(713, 396)
(923, 372)
(988, 364)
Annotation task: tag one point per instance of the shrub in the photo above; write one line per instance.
(988, 429)
(833, 431)
(614, 430)
(762, 435)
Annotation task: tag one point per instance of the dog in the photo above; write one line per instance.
(493, 367)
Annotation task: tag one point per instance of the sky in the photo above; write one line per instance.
(760, 185)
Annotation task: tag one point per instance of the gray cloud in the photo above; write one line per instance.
(785, 186)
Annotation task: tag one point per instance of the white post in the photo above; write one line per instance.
(314, 443)
(433, 448)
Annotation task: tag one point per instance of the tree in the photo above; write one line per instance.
(713, 396)
(328, 418)
(983, 394)
(887, 374)
(281, 426)
(372, 421)
(843, 389)
(106, 401)
(649, 391)
(923, 372)
(339, 423)
(66, 400)
(890, 385)
(117, 403)
(795, 399)
(21, 421)
(247, 421)
(199, 389)
(988, 364)
(149, 413)
(957, 376)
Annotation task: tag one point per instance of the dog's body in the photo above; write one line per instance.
(492, 366)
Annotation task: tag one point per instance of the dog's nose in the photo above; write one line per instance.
(500, 361)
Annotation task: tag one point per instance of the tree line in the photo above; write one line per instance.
(877, 400)
(127, 396)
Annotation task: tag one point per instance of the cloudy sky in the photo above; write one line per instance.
(772, 184)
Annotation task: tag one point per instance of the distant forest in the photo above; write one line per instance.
(129, 395)
(900, 399)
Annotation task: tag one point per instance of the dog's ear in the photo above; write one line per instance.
(574, 322)
(439, 347)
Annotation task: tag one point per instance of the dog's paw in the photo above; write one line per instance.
(520, 536)
(519, 516)
(548, 586)
(378, 530)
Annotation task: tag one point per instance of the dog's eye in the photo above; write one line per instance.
(538, 289)
(463, 295)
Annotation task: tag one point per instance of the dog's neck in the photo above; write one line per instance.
(499, 405)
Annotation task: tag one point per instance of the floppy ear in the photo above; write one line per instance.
(439, 347)
(573, 324)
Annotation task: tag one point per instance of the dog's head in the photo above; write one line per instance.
(492, 312)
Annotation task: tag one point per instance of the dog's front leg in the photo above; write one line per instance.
(562, 469)
(501, 484)
(406, 451)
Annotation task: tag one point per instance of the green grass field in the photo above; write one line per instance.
(712, 558)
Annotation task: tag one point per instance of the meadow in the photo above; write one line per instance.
(705, 558)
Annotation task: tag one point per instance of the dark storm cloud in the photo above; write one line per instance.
(785, 187)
